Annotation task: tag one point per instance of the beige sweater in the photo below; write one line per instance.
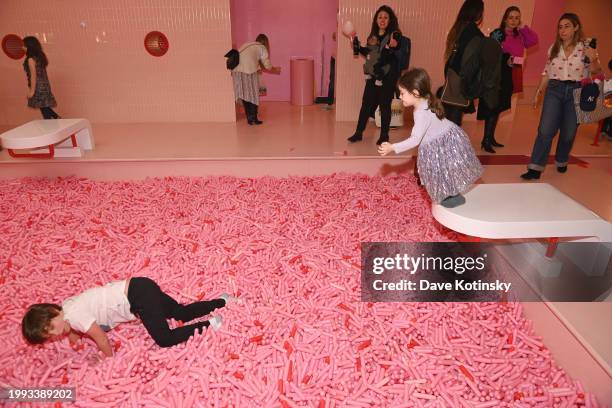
(250, 55)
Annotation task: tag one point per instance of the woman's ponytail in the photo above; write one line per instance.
(435, 105)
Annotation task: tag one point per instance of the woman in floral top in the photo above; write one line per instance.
(570, 60)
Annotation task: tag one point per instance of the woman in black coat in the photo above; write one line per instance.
(491, 114)
(383, 26)
(464, 30)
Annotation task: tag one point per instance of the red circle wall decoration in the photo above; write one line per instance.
(12, 45)
(156, 43)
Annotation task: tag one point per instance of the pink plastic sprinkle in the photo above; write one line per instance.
(290, 248)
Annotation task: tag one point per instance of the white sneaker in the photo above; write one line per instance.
(229, 298)
(215, 322)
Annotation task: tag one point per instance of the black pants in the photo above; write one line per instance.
(49, 113)
(453, 113)
(154, 307)
(332, 81)
(251, 110)
(373, 97)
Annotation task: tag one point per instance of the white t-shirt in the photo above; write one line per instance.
(106, 305)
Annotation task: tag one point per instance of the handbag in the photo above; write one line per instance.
(451, 92)
(397, 114)
(600, 112)
(233, 58)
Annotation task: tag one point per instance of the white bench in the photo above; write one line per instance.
(50, 138)
(522, 210)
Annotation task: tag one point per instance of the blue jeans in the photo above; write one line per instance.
(558, 114)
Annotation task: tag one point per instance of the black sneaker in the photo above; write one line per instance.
(355, 138)
(562, 169)
(531, 175)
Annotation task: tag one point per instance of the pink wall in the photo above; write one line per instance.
(545, 17)
(101, 71)
(426, 22)
(294, 28)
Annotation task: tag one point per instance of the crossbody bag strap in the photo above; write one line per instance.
(246, 48)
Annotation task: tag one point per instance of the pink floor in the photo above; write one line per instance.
(306, 140)
(289, 248)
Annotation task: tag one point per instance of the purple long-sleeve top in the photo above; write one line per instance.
(515, 46)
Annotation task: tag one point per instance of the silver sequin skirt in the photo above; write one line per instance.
(448, 164)
(246, 86)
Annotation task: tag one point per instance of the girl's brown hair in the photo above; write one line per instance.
(578, 35)
(417, 79)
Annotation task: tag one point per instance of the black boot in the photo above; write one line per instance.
(382, 139)
(486, 146)
(355, 138)
(248, 111)
(492, 124)
(256, 121)
(495, 143)
(562, 169)
(489, 130)
(531, 175)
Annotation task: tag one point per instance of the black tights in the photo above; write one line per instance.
(49, 113)
(154, 307)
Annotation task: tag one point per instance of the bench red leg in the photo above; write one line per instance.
(34, 155)
(599, 128)
(552, 247)
(74, 141)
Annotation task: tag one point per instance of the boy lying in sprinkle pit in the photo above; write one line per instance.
(97, 310)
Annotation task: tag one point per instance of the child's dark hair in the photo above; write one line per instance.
(34, 50)
(417, 79)
(35, 323)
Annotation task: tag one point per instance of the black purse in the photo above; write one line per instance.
(451, 92)
(233, 59)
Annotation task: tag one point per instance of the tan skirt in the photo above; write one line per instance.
(246, 86)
